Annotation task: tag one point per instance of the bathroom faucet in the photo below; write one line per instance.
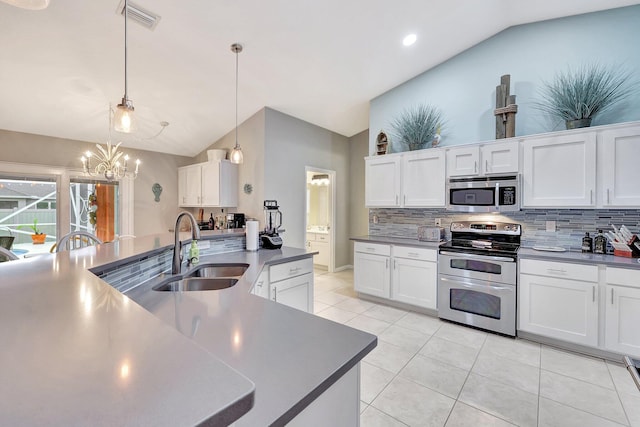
(177, 247)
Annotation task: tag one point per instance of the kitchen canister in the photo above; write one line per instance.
(252, 234)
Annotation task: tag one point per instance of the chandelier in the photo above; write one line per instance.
(112, 163)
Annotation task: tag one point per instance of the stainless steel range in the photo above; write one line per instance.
(477, 275)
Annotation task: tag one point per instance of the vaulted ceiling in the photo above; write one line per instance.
(320, 61)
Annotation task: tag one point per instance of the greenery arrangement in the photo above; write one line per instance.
(583, 93)
(417, 127)
(33, 227)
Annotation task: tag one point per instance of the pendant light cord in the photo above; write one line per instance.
(236, 98)
(126, 18)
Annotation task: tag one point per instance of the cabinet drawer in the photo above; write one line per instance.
(372, 248)
(587, 273)
(322, 237)
(422, 254)
(290, 269)
(623, 276)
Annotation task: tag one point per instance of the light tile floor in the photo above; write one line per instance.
(426, 372)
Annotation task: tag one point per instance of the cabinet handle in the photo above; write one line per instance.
(556, 271)
(486, 166)
(608, 202)
(412, 254)
(396, 199)
(405, 199)
(611, 296)
(593, 294)
(395, 264)
(275, 294)
(475, 166)
(386, 263)
(294, 270)
(591, 196)
(371, 249)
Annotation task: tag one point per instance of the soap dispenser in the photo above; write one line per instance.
(587, 243)
(194, 253)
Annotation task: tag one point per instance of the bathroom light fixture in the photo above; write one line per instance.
(322, 179)
(28, 4)
(409, 39)
(109, 164)
(124, 118)
(236, 154)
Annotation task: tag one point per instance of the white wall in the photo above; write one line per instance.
(290, 145)
(464, 86)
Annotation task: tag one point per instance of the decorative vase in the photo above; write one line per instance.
(578, 123)
(38, 239)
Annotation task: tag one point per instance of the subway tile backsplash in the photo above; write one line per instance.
(571, 224)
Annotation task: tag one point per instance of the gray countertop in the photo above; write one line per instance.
(78, 352)
(291, 356)
(579, 258)
(389, 240)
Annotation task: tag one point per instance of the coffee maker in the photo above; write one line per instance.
(272, 223)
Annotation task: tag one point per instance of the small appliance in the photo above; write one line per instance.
(500, 193)
(272, 223)
(235, 220)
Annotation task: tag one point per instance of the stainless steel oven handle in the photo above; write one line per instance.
(480, 257)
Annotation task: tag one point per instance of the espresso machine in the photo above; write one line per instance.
(272, 223)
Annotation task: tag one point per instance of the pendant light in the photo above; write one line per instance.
(124, 118)
(236, 154)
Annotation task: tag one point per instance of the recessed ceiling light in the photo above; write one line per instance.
(409, 40)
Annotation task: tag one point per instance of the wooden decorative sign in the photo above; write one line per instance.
(506, 109)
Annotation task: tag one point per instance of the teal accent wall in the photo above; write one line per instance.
(464, 86)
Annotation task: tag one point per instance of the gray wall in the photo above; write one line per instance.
(464, 86)
(358, 213)
(290, 145)
(149, 217)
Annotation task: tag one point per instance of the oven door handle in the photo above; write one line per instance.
(453, 283)
(480, 257)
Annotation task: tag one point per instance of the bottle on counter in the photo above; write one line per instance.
(587, 243)
(194, 253)
(600, 243)
(211, 221)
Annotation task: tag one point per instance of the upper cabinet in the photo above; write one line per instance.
(618, 156)
(486, 159)
(559, 171)
(208, 184)
(411, 179)
(382, 181)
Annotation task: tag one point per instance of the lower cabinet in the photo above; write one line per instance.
(401, 273)
(622, 311)
(289, 283)
(319, 242)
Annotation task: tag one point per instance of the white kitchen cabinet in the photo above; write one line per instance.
(291, 284)
(622, 311)
(423, 178)
(415, 277)
(463, 161)
(399, 273)
(618, 154)
(371, 274)
(500, 157)
(189, 185)
(559, 300)
(382, 181)
(261, 286)
(208, 184)
(559, 171)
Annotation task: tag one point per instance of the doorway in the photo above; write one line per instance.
(320, 215)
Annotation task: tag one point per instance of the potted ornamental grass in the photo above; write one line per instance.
(417, 128)
(577, 96)
(38, 237)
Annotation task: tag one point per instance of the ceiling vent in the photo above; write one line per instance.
(140, 15)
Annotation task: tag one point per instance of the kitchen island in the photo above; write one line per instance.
(78, 352)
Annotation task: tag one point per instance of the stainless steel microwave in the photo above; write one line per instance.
(500, 193)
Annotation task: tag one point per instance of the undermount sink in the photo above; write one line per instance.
(230, 270)
(196, 284)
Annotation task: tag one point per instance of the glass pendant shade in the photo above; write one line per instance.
(124, 118)
(236, 155)
(28, 4)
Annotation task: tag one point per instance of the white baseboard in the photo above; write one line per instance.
(344, 267)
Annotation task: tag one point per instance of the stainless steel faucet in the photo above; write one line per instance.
(177, 247)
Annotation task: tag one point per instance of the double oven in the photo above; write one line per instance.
(477, 276)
